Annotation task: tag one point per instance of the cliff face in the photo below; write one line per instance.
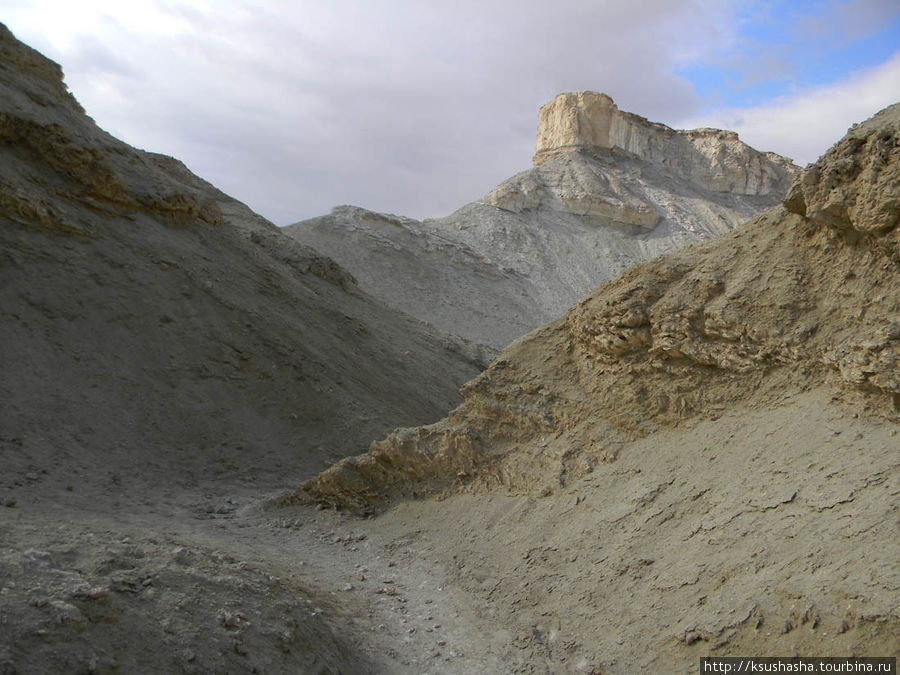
(712, 158)
(608, 189)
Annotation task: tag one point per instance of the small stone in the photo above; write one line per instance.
(40, 558)
(347, 587)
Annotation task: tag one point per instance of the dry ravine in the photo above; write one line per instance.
(701, 457)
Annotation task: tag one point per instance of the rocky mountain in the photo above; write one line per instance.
(608, 189)
(700, 458)
(164, 349)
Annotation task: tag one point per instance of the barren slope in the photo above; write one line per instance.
(678, 534)
(133, 290)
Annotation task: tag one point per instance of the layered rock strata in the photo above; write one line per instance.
(712, 158)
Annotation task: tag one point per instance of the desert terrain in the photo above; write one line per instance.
(219, 452)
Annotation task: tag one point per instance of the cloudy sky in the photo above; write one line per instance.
(417, 107)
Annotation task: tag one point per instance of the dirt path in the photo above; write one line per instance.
(217, 583)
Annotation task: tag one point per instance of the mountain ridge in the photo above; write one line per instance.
(540, 240)
(682, 334)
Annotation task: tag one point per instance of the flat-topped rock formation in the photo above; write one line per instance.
(608, 189)
(713, 158)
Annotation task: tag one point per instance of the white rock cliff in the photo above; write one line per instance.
(712, 158)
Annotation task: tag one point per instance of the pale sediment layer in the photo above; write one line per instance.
(713, 158)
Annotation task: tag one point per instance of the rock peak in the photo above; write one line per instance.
(710, 158)
(574, 120)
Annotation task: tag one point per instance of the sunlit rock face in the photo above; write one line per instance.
(712, 158)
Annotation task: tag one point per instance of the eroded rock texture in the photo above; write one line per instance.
(799, 296)
(699, 458)
(713, 158)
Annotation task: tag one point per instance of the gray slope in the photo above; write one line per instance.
(142, 306)
(165, 356)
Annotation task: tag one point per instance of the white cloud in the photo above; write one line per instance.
(803, 126)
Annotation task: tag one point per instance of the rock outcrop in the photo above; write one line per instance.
(608, 189)
(712, 158)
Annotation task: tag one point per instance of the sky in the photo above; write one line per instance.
(418, 107)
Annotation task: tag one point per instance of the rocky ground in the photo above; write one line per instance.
(215, 582)
(776, 537)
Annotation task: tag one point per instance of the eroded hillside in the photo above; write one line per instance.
(802, 295)
(132, 287)
(699, 458)
(607, 190)
(166, 354)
